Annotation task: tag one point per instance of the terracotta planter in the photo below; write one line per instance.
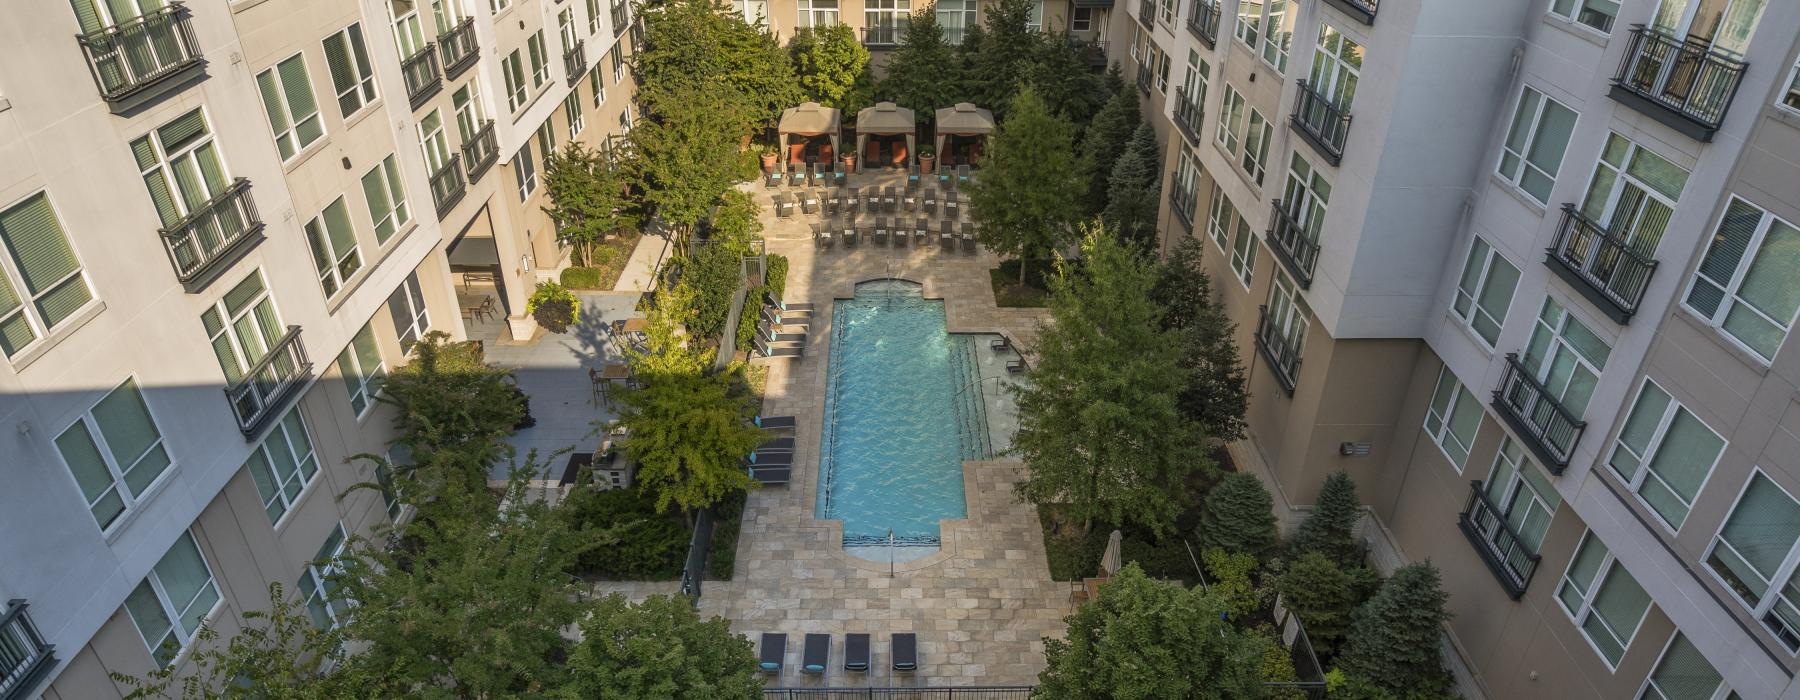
(927, 162)
(768, 161)
(849, 163)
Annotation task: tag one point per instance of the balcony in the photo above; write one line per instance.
(1146, 14)
(140, 59)
(1321, 122)
(1362, 10)
(1538, 416)
(1499, 544)
(1188, 115)
(1279, 351)
(1143, 78)
(883, 36)
(25, 658)
(1093, 51)
(480, 151)
(1686, 85)
(421, 73)
(459, 48)
(1296, 250)
(448, 185)
(1604, 268)
(621, 18)
(575, 62)
(260, 395)
(1203, 22)
(1182, 202)
(214, 236)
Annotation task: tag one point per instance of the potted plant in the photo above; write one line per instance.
(554, 307)
(849, 161)
(927, 159)
(768, 159)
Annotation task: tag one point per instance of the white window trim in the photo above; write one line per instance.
(419, 319)
(293, 128)
(320, 574)
(1793, 76)
(46, 335)
(1654, 447)
(540, 55)
(577, 121)
(512, 73)
(367, 383)
(1785, 571)
(1720, 693)
(1444, 421)
(1254, 164)
(1575, 11)
(229, 321)
(1481, 283)
(1731, 287)
(1517, 182)
(165, 159)
(365, 73)
(306, 481)
(334, 267)
(129, 501)
(388, 170)
(168, 606)
(1601, 573)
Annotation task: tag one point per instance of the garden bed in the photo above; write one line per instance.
(1074, 556)
(728, 517)
(609, 260)
(643, 545)
(1008, 293)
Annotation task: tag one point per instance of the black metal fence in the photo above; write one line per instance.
(699, 551)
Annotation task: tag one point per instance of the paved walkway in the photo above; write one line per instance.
(640, 269)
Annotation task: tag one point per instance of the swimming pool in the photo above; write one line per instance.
(903, 409)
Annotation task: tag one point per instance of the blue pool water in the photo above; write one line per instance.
(899, 420)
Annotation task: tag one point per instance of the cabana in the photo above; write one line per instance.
(885, 121)
(809, 121)
(964, 122)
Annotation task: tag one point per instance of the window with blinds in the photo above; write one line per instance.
(283, 465)
(174, 600)
(407, 306)
(115, 453)
(540, 61)
(514, 72)
(1748, 284)
(351, 75)
(333, 244)
(1665, 454)
(42, 284)
(1683, 673)
(243, 326)
(360, 366)
(386, 199)
(1754, 556)
(182, 167)
(293, 113)
(572, 108)
(1534, 147)
(1603, 599)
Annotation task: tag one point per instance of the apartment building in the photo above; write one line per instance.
(1528, 270)
(223, 222)
(881, 24)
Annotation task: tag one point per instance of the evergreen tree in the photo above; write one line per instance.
(1144, 638)
(1395, 639)
(589, 199)
(1330, 529)
(922, 74)
(1324, 597)
(1098, 425)
(832, 66)
(1215, 394)
(1001, 56)
(1062, 76)
(1135, 190)
(1025, 199)
(1105, 140)
(1239, 516)
(659, 648)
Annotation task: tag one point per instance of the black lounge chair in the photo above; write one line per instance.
(906, 651)
(774, 648)
(947, 234)
(889, 198)
(1015, 366)
(771, 477)
(839, 176)
(856, 652)
(809, 202)
(962, 173)
(777, 459)
(881, 231)
(775, 422)
(921, 231)
(832, 200)
(784, 207)
(816, 654)
(780, 444)
(1000, 344)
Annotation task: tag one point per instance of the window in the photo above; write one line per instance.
(469, 118)
(1790, 98)
(572, 107)
(171, 603)
(283, 465)
(1336, 68)
(1232, 232)
(317, 588)
(885, 21)
(407, 305)
(1747, 283)
(1278, 34)
(400, 457)
(593, 15)
(1485, 290)
(1452, 418)
(1722, 26)
(1306, 196)
(360, 365)
(1755, 551)
(1187, 183)
(817, 13)
(1082, 20)
(1248, 28)
(754, 12)
(1256, 146)
(1162, 71)
(496, 6)
(1194, 82)
(1535, 143)
(1567, 359)
(616, 57)
(182, 168)
(956, 17)
(351, 76)
(333, 244)
(1168, 11)
(433, 142)
(1288, 316)
(1598, 14)
(447, 14)
(1603, 599)
(409, 35)
(115, 452)
(546, 139)
(1684, 674)
(1525, 497)
(540, 61)
(1231, 119)
(288, 99)
(565, 28)
(1632, 195)
(598, 85)
(43, 265)
(386, 198)
(514, 72)
(625, 119)
(525, 171)
(1664, 454)
(242, 327)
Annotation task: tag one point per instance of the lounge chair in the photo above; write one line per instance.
(847, 231)
(809, 201)
(962, 173)
(815, 656)
(871, 200)
(1015, 366)
(775, 422)
(906, 651)
(832, 202)
(952, 205)
(898, 229)
(784, 207)
(968, 237)
(780, 444)
(760, 459)
(929, 201)
(947, 234)
(881, 231)
(921, 231)
(839, 176)
(944, 175)
(856, 652)
(912, 177)
(1000, 344)
(889, 199)
(774, 649)
(821, 236)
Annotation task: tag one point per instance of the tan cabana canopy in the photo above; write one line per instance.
(885, 119)
(810, 119)
(963, 120)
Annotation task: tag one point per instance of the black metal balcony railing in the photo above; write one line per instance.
(421, 73)
(459, 48)
(133, 55)
(883, 35)
(481, 151)
(575, 62)
(203, 243)
(265, 389)
(1550, 430)
(1146, 13)
(1093, 51)
(1296, 250)
(1203, 22)
(24, 655)
(1279, 351)
(1182, 202)
(1687, 85)
(1188, 115)
(1321, 122)
(1143, 78)
(1362, 10)
(1500, 545)
(621, 17)
(1604, 268)
(448, 185)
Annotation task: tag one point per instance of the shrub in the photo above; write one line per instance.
(1324, 597)
(582, 277)
(728, 517)
(1239, 516)
(778, 271)
(554, 306)
(714, 272)
(644, 545)
(1330, 529)
(1394, 640)
(1277, 666)
(1230, 573)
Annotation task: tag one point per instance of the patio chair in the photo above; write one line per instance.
(906, 651)
(797, 176)
(890, 199)
(809, 201)
(838, 175)
(929, 202)
(856, 652)
(833, 201)
(944, 175)
(774, 651)
(947, 234)
(921, 231)
(952, 205)
(851, 201)
(775, 422)
(780, 444)
(968, 237)
(760, 459)
(851, 233)
(784, 207)
(1000, 344)
(815, 655)
(812, 176)
(871, 202)
(821, 236)
(881, 231)
(962, 174)
(772, 179)
(865, 229)
(912, 177)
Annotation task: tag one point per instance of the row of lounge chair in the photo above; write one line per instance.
(884, 230)
(815, 652)
(773, 462)
(822, 174)
(873, 200)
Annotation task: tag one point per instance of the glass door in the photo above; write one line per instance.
(1567, 359)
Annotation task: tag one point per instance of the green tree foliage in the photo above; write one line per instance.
(553, 306)
(1239, 516)
(453, 414)
(1215, 394)
(1394, 639)
(735, 221)
(690, 44)
(1026, 197)
(1098, 425)
(1330, 529)
(714, 273)
(278, 654)
(923, 73)
(1323, 595)
(1062, 76)
(1276, 665)
(1105, 141)
(1150, 639)
(1134, 191)
(685, 156)
(832, 66)
(1232, 579)
(659, 649)
(1001, 56)
(590, 199)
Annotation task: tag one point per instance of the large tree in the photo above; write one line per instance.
(590, 199)
(1026, 197)
(1134, 190)
(1214, 391)
(659, 648)
(1099, 429)
(691, 43)
(1002, 55)
(1062, 76)
(1144, 638)
(1323, 595)
(1395, 639)
(832, 66)
(686, 154)
(1105, 140)
(923, 72)
(278, 654)
(453, 413)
